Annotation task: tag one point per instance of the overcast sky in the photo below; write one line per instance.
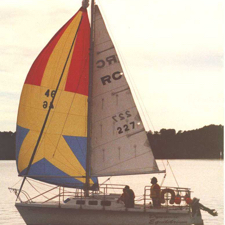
(171, 49)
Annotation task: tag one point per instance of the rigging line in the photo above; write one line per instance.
(164, 177)
(42, 189)
(48, 113)
(17, 183)
(35, 189)
(172, 173)
(105, 181)
(137, 94)
(131, 81)
(163, 165)
(42, 183)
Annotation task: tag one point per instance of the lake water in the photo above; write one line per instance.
(204, 177)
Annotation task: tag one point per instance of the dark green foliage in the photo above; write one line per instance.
(203, 143)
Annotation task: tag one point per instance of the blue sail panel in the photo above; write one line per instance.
(46, 172)
(21, 133)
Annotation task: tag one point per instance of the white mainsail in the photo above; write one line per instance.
(119, 144)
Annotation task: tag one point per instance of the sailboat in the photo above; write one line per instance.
(77, 121)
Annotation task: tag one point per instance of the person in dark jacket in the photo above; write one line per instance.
(127, 197)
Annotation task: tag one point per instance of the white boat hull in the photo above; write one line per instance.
(37, 214)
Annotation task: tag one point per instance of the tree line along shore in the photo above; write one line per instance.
(203, 143)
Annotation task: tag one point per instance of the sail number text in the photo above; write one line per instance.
(126, 127)
(48, 93)
(121, 116)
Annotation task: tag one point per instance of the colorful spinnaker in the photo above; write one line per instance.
(61, 71)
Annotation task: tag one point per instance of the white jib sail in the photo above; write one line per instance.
(119, 144)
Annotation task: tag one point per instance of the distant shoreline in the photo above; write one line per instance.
(204, 143)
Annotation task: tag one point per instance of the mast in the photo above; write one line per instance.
(87, 185)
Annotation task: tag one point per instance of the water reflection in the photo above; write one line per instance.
(205, 177)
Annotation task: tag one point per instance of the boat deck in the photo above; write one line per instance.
(103, 200)
(105, 203)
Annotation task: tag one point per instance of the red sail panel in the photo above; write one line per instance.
(78, 75)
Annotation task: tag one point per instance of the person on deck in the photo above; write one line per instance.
(131, 196)
(155, 192)
(127, 197)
